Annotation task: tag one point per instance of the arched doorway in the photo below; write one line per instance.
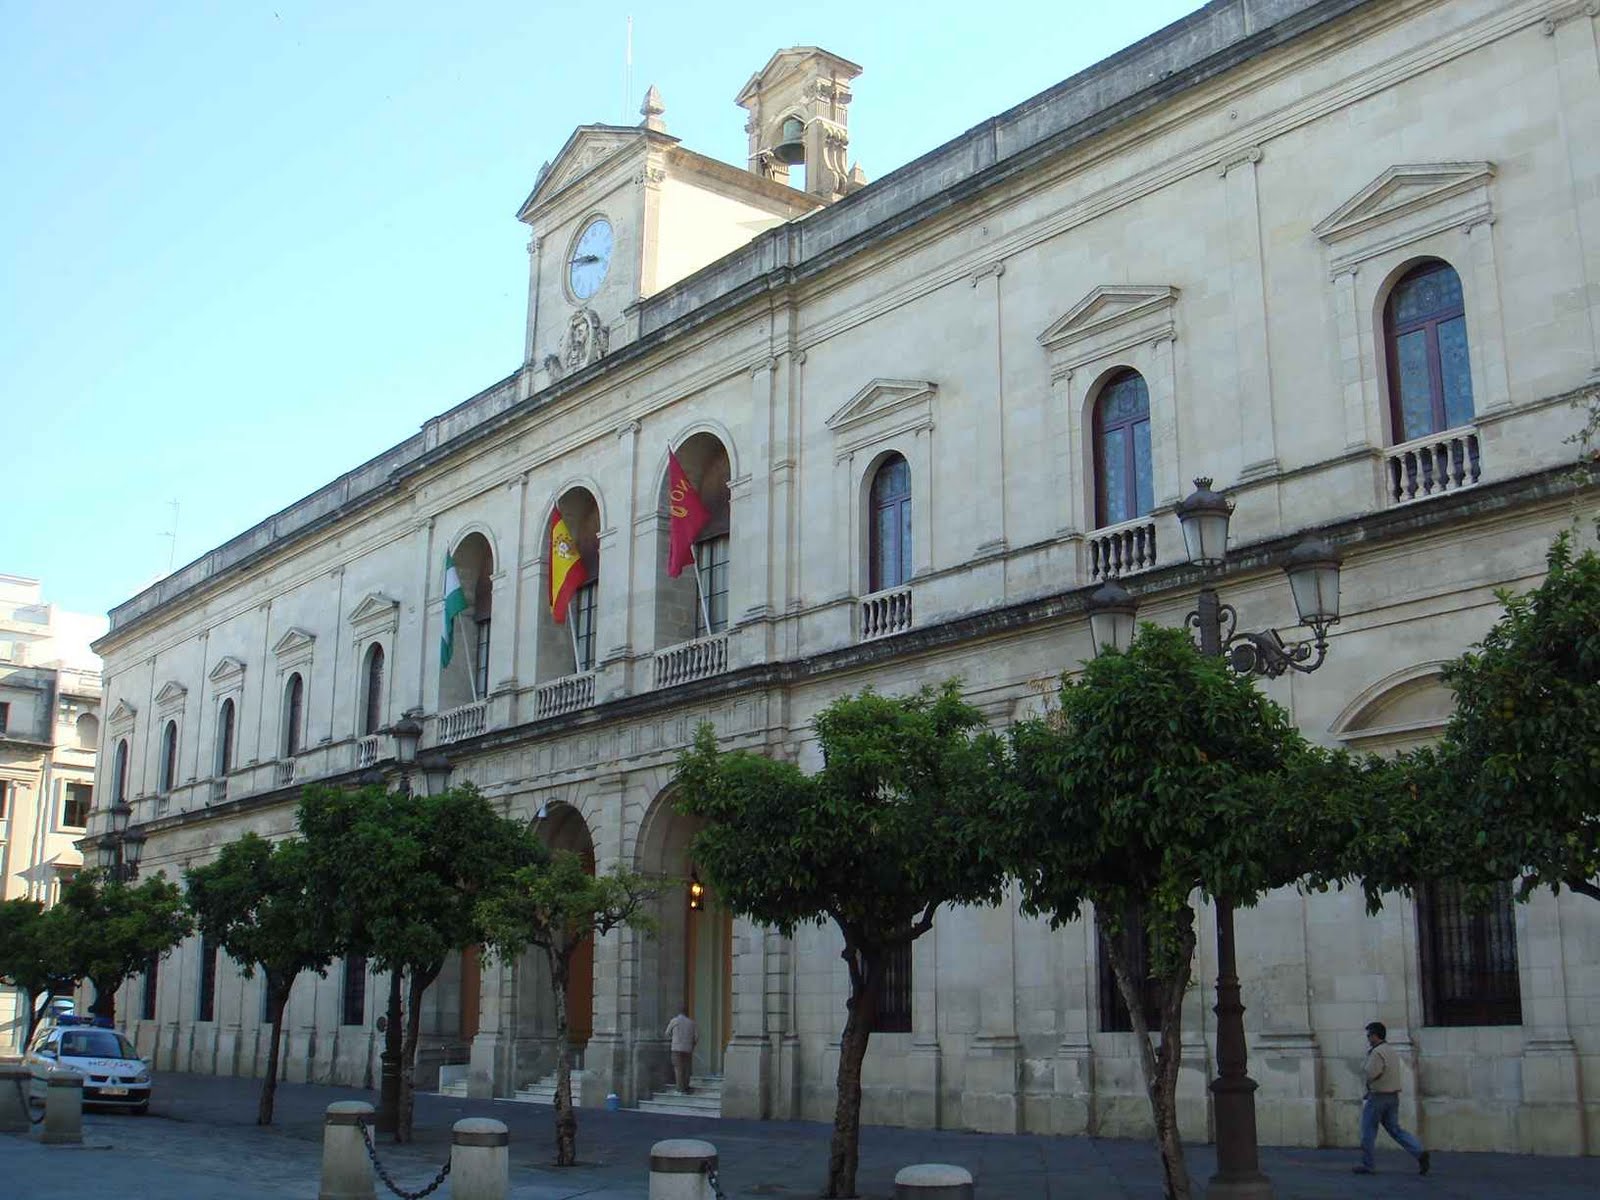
(466, 678)
(690, 961)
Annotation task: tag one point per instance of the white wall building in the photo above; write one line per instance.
(49, 730)
(1341, 255)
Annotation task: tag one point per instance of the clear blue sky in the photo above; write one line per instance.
(247, 244)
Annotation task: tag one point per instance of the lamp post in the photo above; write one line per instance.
(435, 769)
(1313, 571)
(119, 849)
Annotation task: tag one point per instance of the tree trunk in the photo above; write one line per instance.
(105, 999)
(36, 1014)
(389, 1072)
(566, 1115)
(277, 1000)
(421, 978)
(1160, 1067)
(844, 1151)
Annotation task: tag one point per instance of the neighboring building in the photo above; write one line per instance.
(49, 732)
(1342, 255)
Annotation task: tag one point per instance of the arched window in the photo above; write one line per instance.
(1124, 488)
(294, 702)
(372, 711)
(88, 730)
(119, 773)
(225, 737)
(169, 756)
(1425, 328)
(890, 535)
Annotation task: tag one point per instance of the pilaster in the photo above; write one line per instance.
(489, 1070)
(1247, 283)
(990, 412)
(747, 1062)
(991, 1100)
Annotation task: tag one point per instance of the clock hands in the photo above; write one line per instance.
(585, 258)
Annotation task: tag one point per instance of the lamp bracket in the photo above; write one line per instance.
(1268, 654)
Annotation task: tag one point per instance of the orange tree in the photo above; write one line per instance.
(895, 824)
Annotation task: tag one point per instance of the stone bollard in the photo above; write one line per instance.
(678, 1169)
(480, 1160)
(63, 1109)
(933, 1181)
(14, 1079)
(346, 1169)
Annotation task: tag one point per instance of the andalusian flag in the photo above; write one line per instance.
(567, 572)
(455, 603)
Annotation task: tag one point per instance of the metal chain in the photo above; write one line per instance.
(372, 1153)
(716, 1185)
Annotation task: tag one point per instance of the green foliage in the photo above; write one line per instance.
(33, 955)
(1161, 773)
(256, 901)
(894, 824)
(1513, 789)
(110, 930)
(558, 905)
(404, 873)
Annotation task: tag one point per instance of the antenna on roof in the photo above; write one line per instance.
(627, 77)
(172, 538)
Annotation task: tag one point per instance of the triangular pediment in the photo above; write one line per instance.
(1401, 190)
(785, 62)
(1106, 307)
(374, 606)
(295, 640)
(587, 148)
(227, 669)
(172, 692)
(122, 713)
(880, 398)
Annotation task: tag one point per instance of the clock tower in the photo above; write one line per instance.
(625, 211)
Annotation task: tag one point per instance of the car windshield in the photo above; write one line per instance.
(96, 1043)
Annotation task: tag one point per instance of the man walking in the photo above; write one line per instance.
(1382, 1105)
(684, 1034)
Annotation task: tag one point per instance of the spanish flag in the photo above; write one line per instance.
(567, 572)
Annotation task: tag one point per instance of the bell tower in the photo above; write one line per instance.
(799, 116)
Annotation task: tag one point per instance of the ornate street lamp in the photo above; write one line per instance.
(407, 734)
(1313, 571)
(436, 770)
(132, 851)
(1113, 614)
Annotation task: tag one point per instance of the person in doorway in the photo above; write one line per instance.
(1382, 1105)
(684, 1033)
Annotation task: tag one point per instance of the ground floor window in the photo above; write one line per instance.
(353, 1004)
(1114, 1015)
(894, 992)
(1469, 958)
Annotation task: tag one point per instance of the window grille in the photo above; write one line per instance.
(353, 1006)
(894, 992)
(147, 998)
(206, 1008)
(1469, 959)
(1114, 1014)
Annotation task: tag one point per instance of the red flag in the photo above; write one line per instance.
(688, 517)
(567, 572)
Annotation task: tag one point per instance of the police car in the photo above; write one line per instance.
(113, 1073)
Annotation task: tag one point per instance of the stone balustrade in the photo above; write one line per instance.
(463, 721)
(564, 695)
(699, 659)
(884, 613)
(368, 750)
(1122, 549)
(285, 772)
(1432, 466)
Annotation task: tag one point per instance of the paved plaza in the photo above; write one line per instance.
(200, 1142)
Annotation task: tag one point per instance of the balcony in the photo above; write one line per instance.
(688, 661)
(219, 789)
(1432, 466)
(883, 614)
(564, 695)
(463, 721)
(368, 750)
(284, 775)
(1122, 549)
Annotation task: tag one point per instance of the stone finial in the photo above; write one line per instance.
(651, 110)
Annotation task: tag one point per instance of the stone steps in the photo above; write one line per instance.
(704, 1099)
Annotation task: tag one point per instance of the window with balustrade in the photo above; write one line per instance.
(167, 773)
(889, 534)
(1123, 472)
(1469, 957)
(294, 715)
(372, 690)
(1425, 331)
(695, 603)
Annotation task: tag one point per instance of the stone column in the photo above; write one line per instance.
(1247, 282)
(489, 1071)
(924, 1065)
(413, 632)
(759, 551)
(614, 632)
(1550, 1117)
(1577, 56)
(606, 1060)
(747, 1064)
(989, 459)
(991, 1101)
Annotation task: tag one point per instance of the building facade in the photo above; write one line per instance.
(1343, 256)
(49, 731)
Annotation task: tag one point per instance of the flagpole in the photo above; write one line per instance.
(699, 591)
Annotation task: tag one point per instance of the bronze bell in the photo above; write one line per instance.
(791, 147)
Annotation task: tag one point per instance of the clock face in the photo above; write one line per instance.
(591, 259)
